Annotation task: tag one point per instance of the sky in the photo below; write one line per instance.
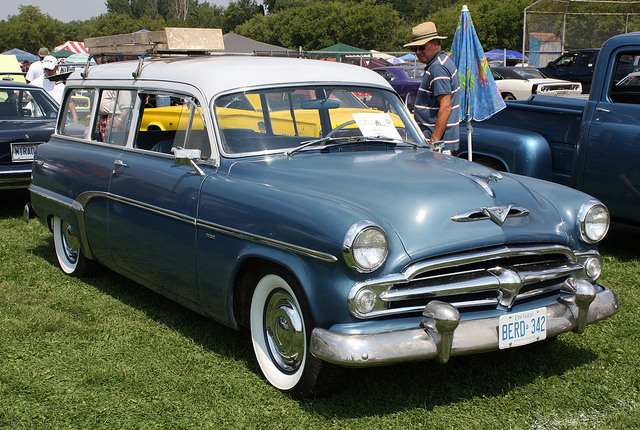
(68, 10)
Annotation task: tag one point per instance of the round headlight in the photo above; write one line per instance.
(593, 219)
(365, 247)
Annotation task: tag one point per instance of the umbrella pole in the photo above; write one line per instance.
(469, 145)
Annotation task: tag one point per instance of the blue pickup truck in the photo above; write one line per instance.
(589, 144)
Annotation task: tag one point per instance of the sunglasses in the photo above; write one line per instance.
(419, 48)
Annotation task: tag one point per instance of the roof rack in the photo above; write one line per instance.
(171, 40)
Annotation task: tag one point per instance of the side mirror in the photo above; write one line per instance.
(183, 157)
(551, 65)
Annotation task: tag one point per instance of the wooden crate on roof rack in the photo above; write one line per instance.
(170, 40)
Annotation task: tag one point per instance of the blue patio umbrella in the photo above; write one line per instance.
(479, 98)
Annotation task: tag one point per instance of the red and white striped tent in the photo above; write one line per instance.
(77, 47)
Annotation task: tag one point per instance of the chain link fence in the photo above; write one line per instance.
(553, 27)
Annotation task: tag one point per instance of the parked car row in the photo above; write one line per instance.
(514, 83)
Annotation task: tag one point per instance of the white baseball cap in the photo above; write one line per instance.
(50, 62)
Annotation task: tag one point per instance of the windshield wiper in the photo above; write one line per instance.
(311, 143)
(337, 141)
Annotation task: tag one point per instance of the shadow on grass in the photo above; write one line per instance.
(365, 392)
(621, 244)
(369, 391)
(13, 202)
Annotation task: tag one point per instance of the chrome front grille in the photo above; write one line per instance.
(493, 278)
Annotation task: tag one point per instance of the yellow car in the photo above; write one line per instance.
(10, 69)
(289, 114)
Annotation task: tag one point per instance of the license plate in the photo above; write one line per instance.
(23, 151)
(522, 328)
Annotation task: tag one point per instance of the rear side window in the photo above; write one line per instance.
(169, 121)
(112, 123)
(76, 113)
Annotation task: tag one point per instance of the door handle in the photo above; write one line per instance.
(599, 109)
(117, 164)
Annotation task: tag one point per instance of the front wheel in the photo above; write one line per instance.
(508, 96)
(70, 257)
(280, 331)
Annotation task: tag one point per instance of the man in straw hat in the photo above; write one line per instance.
(436, 107)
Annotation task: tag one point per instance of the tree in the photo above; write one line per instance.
(239, 12)
(30, 30)
(205, 15)
(319, 24)
(495, 30)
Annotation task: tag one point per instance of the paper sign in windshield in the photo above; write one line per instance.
(376, 125)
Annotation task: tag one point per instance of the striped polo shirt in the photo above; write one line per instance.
(440, 77)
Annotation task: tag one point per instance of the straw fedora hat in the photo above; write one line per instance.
(423, 33)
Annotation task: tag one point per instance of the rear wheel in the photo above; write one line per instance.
(70, 257)
(508, 96)
(281, 326)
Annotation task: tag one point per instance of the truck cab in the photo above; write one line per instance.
(576, 66)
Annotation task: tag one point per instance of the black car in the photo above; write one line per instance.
(27, 119)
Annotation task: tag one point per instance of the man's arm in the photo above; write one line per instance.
(443, 117)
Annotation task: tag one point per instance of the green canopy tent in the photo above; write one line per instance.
(63, 53)
(342, 47)
(350, 54)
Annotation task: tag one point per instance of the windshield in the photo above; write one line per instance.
(280, 119)
(528, 73)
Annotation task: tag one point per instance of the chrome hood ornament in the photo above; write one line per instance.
(482, 180)
(497, 214)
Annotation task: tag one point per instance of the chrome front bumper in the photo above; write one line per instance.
(442, 334)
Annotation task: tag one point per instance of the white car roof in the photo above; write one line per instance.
(215, 74)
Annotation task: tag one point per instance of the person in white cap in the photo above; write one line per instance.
(55, 88)
(437, 104)
(36, 69)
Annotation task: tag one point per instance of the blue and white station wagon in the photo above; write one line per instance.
(298, 199)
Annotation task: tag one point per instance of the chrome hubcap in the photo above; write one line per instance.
(284, 331)
(69, 242)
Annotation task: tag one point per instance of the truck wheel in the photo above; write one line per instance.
(508, 96)
(70, 257)
(280, 332)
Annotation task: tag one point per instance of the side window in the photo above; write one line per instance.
(567, 60)
(626, 80)
(76, 113)
(170, 121)
(114, 116)
(587, 59)
(386, 74)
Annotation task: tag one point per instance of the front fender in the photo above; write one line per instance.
(520, 151)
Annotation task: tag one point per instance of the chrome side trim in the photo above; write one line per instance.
(81, 201)
(269, 242)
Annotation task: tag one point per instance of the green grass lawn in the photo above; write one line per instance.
(105, 352)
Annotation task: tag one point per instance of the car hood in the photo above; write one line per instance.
(414, 193)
